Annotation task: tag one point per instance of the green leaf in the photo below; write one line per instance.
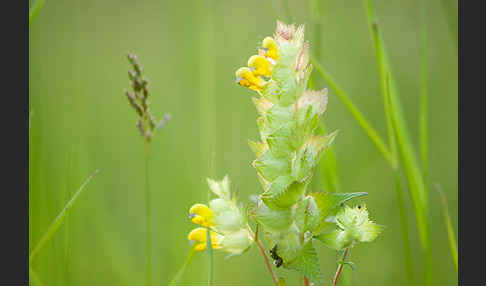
(273, 220)
(270, 91)
(307, 263)
(258, 147)
(271, 167)
(307, 214)
(283, 193)
(329, 203)
(304, 162)
(335, 239)
(280, 141)
(262, 105)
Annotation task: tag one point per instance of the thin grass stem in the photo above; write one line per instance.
(34, 278)
(56, 224)
(450, 229)
(370, 131)
(182, 270)
(148, 220)
(424, 96)
(407, 250)
(210, 256)
(35, 9)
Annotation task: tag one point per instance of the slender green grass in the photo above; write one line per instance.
(35, 9)
(34, 278)
(450, 229)
(182, 270)
(415, 184)
(424, 96)
(210, 257)
(56, 224)
(407, 250)
(362, 121)
(410, 164)
(148, 219)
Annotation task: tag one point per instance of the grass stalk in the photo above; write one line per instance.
(148, 220)
(407, 250)
(56, 224)
(34, 278)
(408, 157)
(182, 270)
(450, 229)
(369, 130)
(210, 256)
(35, 9)
(424, 97)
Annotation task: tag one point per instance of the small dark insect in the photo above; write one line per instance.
(278, 261)
(359, 206)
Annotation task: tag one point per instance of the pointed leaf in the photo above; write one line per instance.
(273, 220)
(307, 263)
(271, 167)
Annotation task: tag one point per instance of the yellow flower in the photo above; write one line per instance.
(245, 77)
(201, 214)
(199, 235)
(270, 47)
(259, 65)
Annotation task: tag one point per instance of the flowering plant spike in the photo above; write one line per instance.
(287, 154)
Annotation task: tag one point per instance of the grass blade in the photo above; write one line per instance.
(148, 220)
(34, 278)
(354, 111)
(407, 155)
(56, 224)
(405, 236)
(210, 256)
(35, 9)
(181, 271)
(450, 229)
(424, 99)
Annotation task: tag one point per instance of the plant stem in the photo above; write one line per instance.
(181, 271)
(147, 215)
(423, 105)
(340, 267)
(262, 250)
(354, 111)
(56, 224)
(404, 223)
(450, 230)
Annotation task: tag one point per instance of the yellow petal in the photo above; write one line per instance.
(271, 48)
(201, 214)
(245, 77)
(199, 236)
(260, 65)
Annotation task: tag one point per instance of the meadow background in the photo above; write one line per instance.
(81, 121)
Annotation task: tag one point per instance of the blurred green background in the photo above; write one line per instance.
(81, 121)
